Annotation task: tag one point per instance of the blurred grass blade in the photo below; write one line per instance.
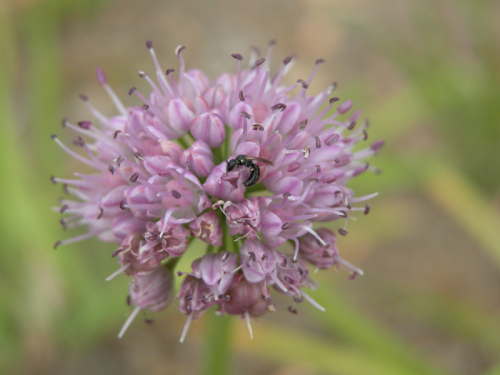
(451, 191)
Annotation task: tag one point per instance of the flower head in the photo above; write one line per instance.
(244, 164)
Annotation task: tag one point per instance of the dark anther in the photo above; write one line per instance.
(237, 56)
(301, 271)
(367, 165)
(119, 160)
(149, 44)
(101, 212)
(333, 100)
(53, 179)
(367, 209)
(84, 97)
(116, 252)
(365, 135)
(285, 226)
(188, 297)
(136, 288)
(342, 214)
(79, 141)
(53, 136)
(303, 83)
(251, 255)
(63, 208)
(65, 188)
(242, 97)
(293, 260)
(163, 173)
(264, 257)
(179, 49)
(226, 298)
(318, 168)
(337, 193)
(302, 124)
(138, 155)
(320, 61)
(331, 139)
(312, 179)
(351, 125)
(376, 146)
(111, 169)
(179, 273)
(285, 262)
(287, 60)
(57, 244)
(116, 134)
(188, 166)
(171, 70)
(129, 300)
(257, 127)
(131, 91)
(259, 62)
(224, 257)
(122, 205)
(272, 43)
(149, 321)
(150, 236)
(176, 194)
(334, 85)
(343, 232)
(145, 106)
(287, 278)
(278, 107)
(286, 195)
(188, 308)
(353, 275)
(245, 115)
(64, 122)
(142, 74)
(63, 223)
(266, 298)
(298, 299)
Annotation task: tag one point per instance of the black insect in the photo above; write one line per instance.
(247, 162)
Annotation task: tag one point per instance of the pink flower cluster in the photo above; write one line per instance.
(161, 180)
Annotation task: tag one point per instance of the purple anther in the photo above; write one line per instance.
(318, 168)
(318, 142)
(367, 209)
(149, 44)
(169, 71)
(242, 97)
(138, 155)
(53, 179)
(333, 100)
(285, 226)
(365, 135)
(134, 177)
(278, 107)
(320, 61)
(351, 125)
(176, 194)
(259, 62)
(245, 115)
(330, 140)
(63, 208)
(131, 91)
(302, 124)
(84, 124)
(116, 134)
(303, 83)
(145, 106)
(57, 244)
(287, 60)
(342, 231)
(237, 56)
(122, 205)
(84, 97)
(111, 169)
(257, 127)
(101, 213)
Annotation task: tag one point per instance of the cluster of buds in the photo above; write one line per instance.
(243, 164)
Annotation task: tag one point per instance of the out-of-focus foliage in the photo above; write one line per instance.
(426, 73)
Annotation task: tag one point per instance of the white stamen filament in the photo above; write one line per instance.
(247, 318)
(129, 321)
(119, 271)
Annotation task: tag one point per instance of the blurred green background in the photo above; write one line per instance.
(427, 75)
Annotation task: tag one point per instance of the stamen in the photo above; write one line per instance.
(101, 77)
(129, 321)
(247, 318)
(186, 327)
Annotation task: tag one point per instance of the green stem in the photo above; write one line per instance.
(218, 345)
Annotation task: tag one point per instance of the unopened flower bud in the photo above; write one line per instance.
(247, 297)
(179, 116)
(209, 127)
(200, 157)
(152, 290)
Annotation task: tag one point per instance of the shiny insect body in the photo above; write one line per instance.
(248, 162)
